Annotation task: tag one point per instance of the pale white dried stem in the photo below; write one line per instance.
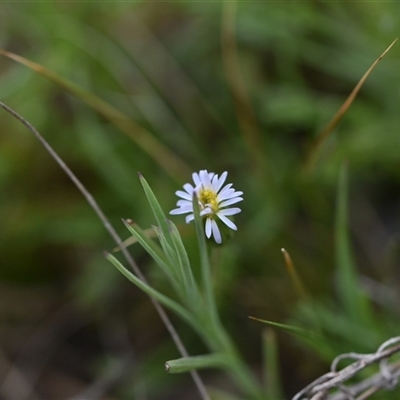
(386, 378)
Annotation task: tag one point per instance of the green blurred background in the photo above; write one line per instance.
(69, 323)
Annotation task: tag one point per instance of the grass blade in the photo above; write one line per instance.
(149, 233)
(192, 290)
(151, 248)
(273, 384)
(166, 301)
(326, 132)
(186, 364)
(207, 285)
(158, 212)
(169, 161)
(313, 339)
(294, 276)
(353, 301)
(290, 328)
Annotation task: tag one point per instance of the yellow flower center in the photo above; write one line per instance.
(208, 198)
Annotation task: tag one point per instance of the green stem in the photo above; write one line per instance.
(237, 367)
(205, 263)
(214, 332)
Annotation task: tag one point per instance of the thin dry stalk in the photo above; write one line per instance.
(386, 378)
(113, 233)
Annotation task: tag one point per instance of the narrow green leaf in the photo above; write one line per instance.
(272, 382)
(313, 339)
(165, 257)
(344, 329)
(151, 247)
(290, 328)
(186, 364)
(353, 300)
(166, 301)
(158, 212)
(169, 251)
(173, 262)
(150, 233)
(192, 290)
(204, 262)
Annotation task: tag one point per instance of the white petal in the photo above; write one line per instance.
(178, 211)
(206, 211)
(186, 208)
(227, 222)
(189, 218)
(214, 182)
(208, 227)
(181, 203)
(230, 201)
(225, 193)
(189, 188)
(215, 231)
(196, 178)
(221, 181)
(197, 190)
(217, 182)
(205, 179)
(226, 188)
(230, 211)
(183, 195)
(228, 195)
(175, 211)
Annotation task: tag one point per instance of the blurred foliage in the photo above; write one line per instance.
(65, 314)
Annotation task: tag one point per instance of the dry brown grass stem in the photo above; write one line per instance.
(323, 136)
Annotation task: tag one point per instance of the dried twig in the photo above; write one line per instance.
(386, 378)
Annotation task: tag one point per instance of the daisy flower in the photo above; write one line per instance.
(214, 201)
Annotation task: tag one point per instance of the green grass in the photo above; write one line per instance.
(149, 87)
